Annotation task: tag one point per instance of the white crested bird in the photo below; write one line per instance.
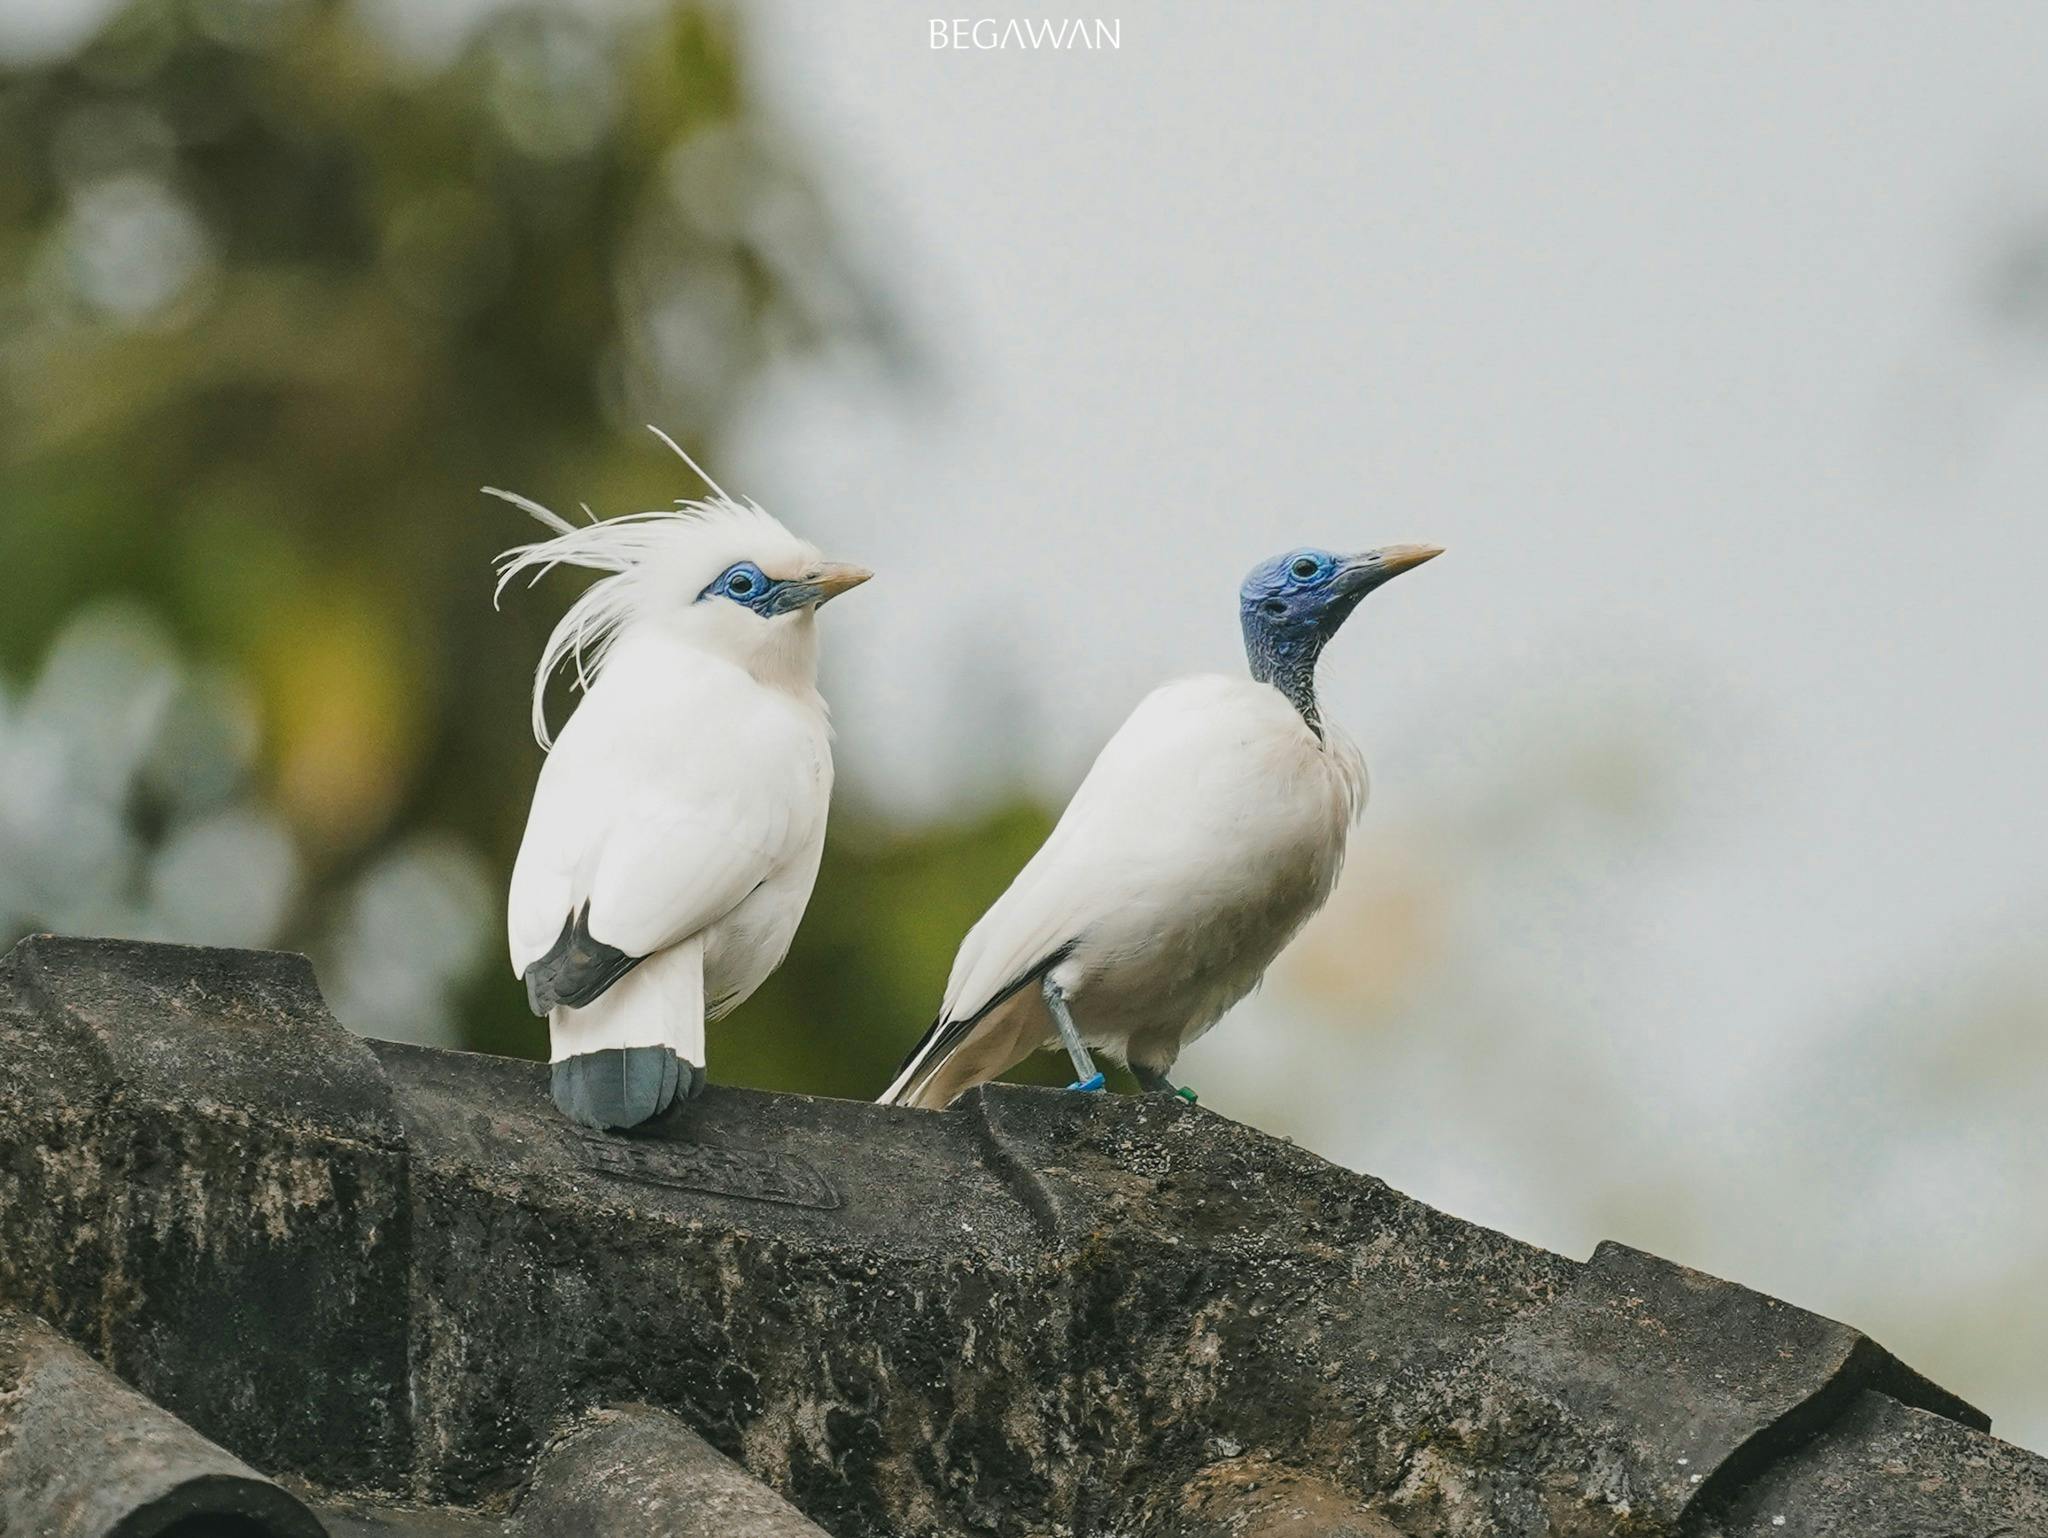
(679, 817)
(1208, 831)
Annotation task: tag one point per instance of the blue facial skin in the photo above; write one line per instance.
(751, 588)
(1291, 605)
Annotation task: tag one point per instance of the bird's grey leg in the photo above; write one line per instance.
(1086, 1075)
(1154, 1081)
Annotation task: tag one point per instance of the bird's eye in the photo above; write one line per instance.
(1306, 567)
(1274, 607)
(740, 585)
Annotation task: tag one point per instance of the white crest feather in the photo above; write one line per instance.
(637, 550)
(681, 454)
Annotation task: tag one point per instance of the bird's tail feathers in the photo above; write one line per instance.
(925, 1071)
(954, 1060)
(913, 1065)
(624, 1057)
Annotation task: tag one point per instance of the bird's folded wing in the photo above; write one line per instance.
(1132, 832)
(1037, 919)
(673, 868)
(1079, 876)
(660, 839)
(1083, 870)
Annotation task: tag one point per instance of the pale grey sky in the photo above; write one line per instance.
(1668, 324)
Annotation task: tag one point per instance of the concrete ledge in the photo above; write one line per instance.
(633, 1470)
(397, 1276)
(82, 1455)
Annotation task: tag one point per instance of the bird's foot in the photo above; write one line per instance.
(622, 1087)
(1093, 1083)
(1155, 1082)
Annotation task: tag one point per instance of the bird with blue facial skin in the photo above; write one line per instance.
(1211, 827)
(679, 818)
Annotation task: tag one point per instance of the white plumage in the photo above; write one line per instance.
(1208, 831)
(679, 818)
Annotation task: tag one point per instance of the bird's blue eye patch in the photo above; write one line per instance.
(1282, 585)
(1308, 566)
(745, 584)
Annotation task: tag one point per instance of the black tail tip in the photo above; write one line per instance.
(622, 1086)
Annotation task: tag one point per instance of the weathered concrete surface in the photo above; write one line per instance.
(398, 1277)
(202, 1179)
(629, 1471)
(633, 1471)
(1887, 1470)
(82, 1455)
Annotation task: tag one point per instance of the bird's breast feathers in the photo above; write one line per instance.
(1236, 746)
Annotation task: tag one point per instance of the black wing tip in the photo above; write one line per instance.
(577, 968)
(910, 1057)
(539, 993)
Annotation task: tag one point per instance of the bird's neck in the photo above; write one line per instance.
(788, 659)
(783, 655)
(1288, 663)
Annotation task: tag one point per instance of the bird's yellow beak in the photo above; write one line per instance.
(1395, 559)
(831, 578)
(1361, 573)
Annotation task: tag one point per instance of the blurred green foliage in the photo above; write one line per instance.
(277, 296)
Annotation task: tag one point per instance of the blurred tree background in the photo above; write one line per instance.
(276, 295)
